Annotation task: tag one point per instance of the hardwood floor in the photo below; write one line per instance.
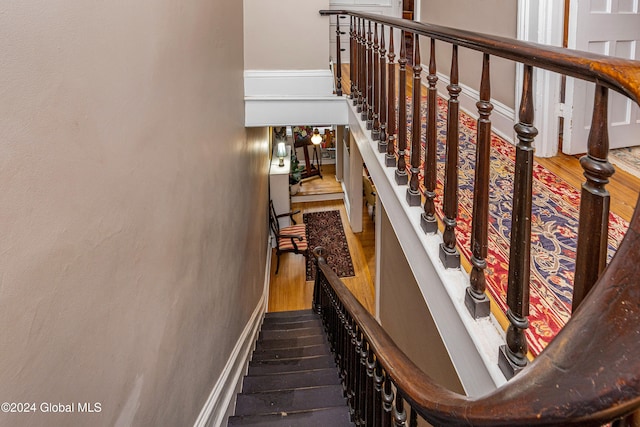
(325, 185)
(289, 290)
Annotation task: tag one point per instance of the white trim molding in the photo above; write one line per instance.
(288, 83)
(286, 97)
(222, 397)
(541, 21)
(283, 111)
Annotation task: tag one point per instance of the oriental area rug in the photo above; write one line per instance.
(554, 227)
(325, 229)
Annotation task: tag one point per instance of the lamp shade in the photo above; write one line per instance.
(316, 138)
(281, 152)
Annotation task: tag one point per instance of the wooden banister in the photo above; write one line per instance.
(590, 373)
(621, 75)
(585, 379)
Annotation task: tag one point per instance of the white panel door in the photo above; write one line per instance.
(609, 27)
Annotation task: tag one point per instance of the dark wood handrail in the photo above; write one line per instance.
(621, 75)
(588, 376)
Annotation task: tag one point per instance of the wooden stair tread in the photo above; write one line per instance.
(290, 342)
(280, 334)
(290, 314)
(301, 399)
(337, 416)
(289, 325)
(271, 367)
(289, 353)
(290, 380)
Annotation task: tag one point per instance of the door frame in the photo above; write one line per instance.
(542, 21)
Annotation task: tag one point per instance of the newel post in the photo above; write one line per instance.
(319, 254)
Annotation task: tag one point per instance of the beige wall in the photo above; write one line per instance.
(133, 231)
(496, 17)
(286, 35)
(406, 317)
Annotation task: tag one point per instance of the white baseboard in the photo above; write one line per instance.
(502, 116)
(222, 396)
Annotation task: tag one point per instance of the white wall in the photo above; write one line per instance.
(133, 227)
(286, 35)
(497, 17)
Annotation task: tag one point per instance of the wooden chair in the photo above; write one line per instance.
(288, 239)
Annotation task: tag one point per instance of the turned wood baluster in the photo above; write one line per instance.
(475, 299)
(448, 253)
(344, 350)
(361, 65)
(413, 192)
(338, 58)
(591, 254)
(399, 414)
(413, 418)
(401, 171)
(363, 380)
(351, 371)
(370, 100)
(363, 71)
(375, 131)
(353, 66)
(390, 157)
(428, 220)
(370, 365)
(358, 377)
(377, 403)
(387, 401)
(382, 145)
(513, 356)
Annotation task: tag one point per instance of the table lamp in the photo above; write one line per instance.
(281, 152)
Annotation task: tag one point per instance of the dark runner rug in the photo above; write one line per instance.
(325, 229)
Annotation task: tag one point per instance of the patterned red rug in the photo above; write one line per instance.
(555, 215)
(325, 229)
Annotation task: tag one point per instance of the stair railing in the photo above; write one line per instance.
(588, 376)
(606, 72)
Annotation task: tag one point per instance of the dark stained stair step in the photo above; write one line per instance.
(290, 353)
(301, 399)
(268, 367)
(280, 334)
(290, 316)
(326, 417)
(298, 324)
(290, 342)
(291, 380)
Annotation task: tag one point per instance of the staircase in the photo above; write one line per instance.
(292, 378)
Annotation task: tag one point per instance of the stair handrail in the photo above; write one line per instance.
(621, 75)
(588, 375)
